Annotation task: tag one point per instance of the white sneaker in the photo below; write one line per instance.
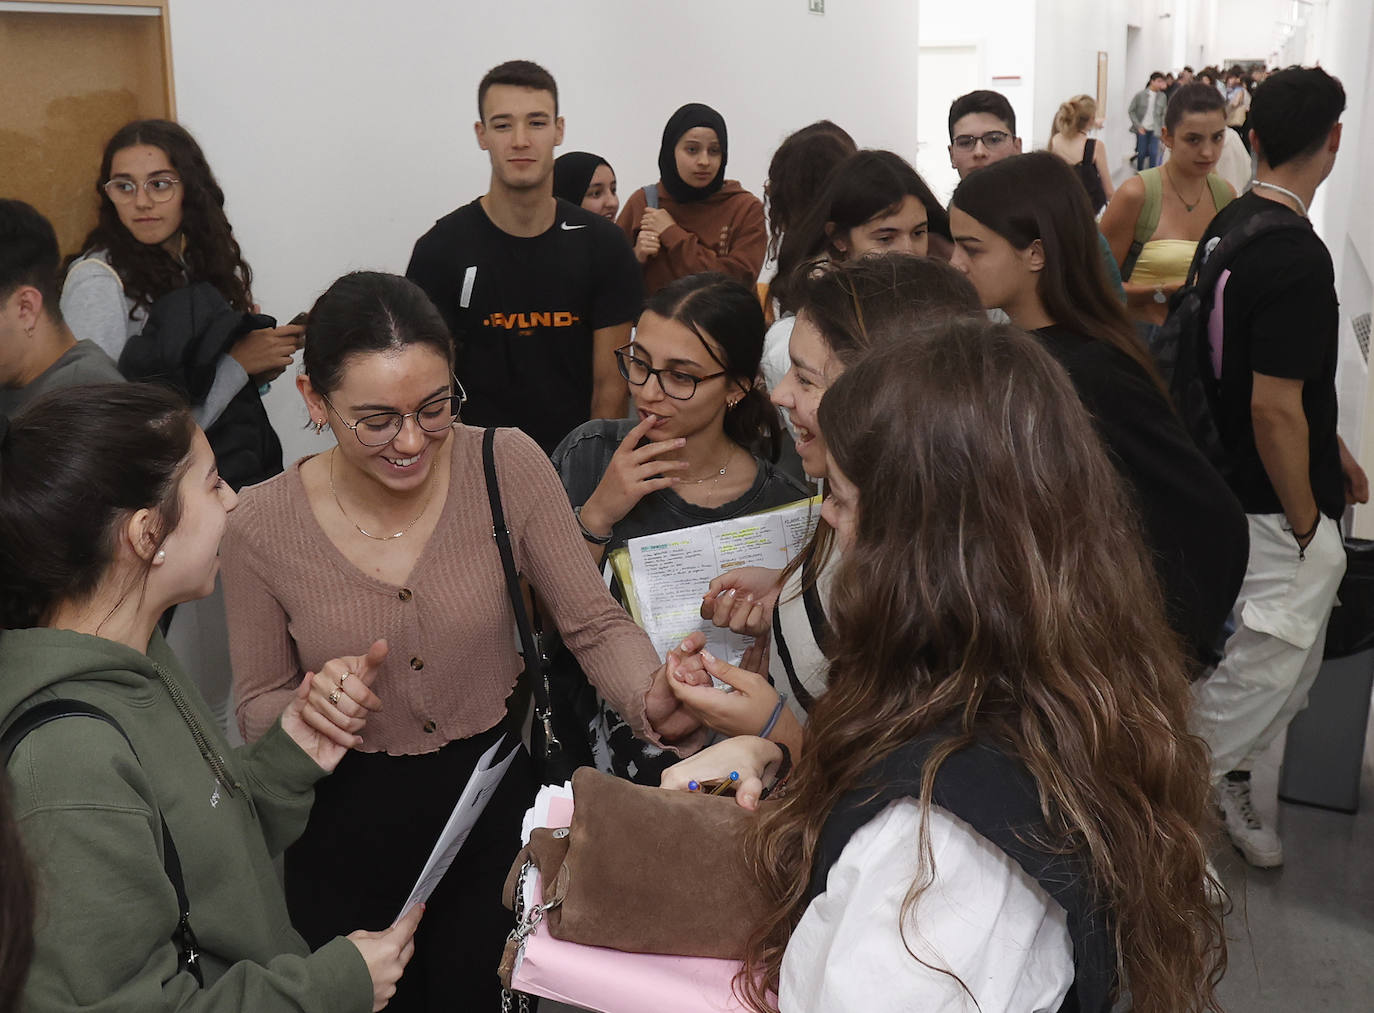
(1260, 845)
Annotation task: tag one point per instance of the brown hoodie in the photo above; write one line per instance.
(725, 232)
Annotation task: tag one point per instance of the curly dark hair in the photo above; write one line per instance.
(211, 253)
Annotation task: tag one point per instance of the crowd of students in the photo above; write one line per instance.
(989, 655)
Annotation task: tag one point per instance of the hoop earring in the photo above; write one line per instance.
(319, 426)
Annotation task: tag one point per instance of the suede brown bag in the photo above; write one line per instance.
(645, 871)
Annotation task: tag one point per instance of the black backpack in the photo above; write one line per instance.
(1181, 346)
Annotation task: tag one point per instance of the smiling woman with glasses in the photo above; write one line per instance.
(388, 535)
(699, 448)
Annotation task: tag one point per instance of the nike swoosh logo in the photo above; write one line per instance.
(572, 228)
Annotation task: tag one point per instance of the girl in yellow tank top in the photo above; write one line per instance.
(1179, 199)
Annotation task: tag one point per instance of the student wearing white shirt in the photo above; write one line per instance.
(997, 807)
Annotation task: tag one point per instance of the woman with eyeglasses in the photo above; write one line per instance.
(388, 534)
(162, 228)
(700, 448)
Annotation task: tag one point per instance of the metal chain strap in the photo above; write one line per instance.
(525, 924)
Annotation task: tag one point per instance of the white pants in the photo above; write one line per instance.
(1273, 656)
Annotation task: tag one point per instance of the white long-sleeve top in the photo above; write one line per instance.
(983, 918)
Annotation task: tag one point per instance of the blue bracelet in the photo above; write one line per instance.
(773, 720)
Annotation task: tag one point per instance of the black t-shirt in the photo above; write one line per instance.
(523, 312)
(1193, 525)
(1280, 318)
(583, 457)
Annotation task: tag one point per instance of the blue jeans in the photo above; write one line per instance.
(1146, 150)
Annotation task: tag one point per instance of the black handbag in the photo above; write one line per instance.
(188, 950)
(553, 765)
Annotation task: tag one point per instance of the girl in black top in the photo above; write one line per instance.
(1024, 235)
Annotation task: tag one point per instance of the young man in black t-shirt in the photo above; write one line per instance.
(537, 292)
(1277, 416)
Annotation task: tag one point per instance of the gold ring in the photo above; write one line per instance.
(343, 677)
(334, 696)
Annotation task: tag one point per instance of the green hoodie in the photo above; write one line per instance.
(88, 810)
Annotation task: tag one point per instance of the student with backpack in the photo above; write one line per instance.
(1155, 219)
(694, 219)
(1272, 349)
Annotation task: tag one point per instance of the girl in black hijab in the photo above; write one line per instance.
(581, 178)
(694, 219)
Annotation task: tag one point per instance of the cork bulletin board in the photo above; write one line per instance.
(71, 74)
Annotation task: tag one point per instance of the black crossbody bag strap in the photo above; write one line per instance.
(534, 669)
(188, 950)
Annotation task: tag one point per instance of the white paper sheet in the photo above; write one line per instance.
(670, 571)
(476, 793)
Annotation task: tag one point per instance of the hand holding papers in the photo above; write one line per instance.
(664, 575)
(478, 791)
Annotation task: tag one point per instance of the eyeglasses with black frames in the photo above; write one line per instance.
(992, 140)
(380, 428)
(677, 384)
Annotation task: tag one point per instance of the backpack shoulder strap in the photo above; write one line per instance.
(53, 710)
(1210, 263)
(1147, 221)
(1221, 190)
(1088, 146)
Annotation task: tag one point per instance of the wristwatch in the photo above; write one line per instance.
(589, 536)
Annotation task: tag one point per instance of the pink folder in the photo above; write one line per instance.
(613, 981)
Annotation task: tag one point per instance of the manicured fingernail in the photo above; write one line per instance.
(680, 442)
(685, 645)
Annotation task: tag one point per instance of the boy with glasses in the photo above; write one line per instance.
(38, 352)
(982, 130)
(537, 292)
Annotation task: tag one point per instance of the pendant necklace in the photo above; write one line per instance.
(1174, 186)
(361, 529)
(714, 477)
(1302, 205)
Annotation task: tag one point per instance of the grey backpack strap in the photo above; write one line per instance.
(651, 195)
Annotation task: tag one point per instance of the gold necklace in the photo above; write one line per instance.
(361, 529)
(715, 476)
(1174, 186)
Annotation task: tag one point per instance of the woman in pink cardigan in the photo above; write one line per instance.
(389, 535)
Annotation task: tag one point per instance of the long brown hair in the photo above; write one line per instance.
(211, 252)
(1037, 196)
(998, 586)
(860, 304)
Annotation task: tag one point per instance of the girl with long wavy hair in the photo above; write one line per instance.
(162, 227)
(845, 310)
(999, 803)
(1025, 236)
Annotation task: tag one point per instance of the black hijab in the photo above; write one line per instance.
(693, 114)
(572, 174)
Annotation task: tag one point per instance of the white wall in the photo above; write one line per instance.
(341, 129)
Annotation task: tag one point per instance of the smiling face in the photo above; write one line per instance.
(600, 198)
(149, 222)
(519, 131)
(190, 554)
(399, 380)
(1196, 143)
(698, 156)
(670, 345)
(1003, 276)
(905, 229)
(800, 390)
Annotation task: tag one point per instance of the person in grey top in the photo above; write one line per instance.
(37, 349)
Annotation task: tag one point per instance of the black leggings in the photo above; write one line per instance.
(374, 822)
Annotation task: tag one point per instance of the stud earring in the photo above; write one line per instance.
(319, 426)
(161, 556)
